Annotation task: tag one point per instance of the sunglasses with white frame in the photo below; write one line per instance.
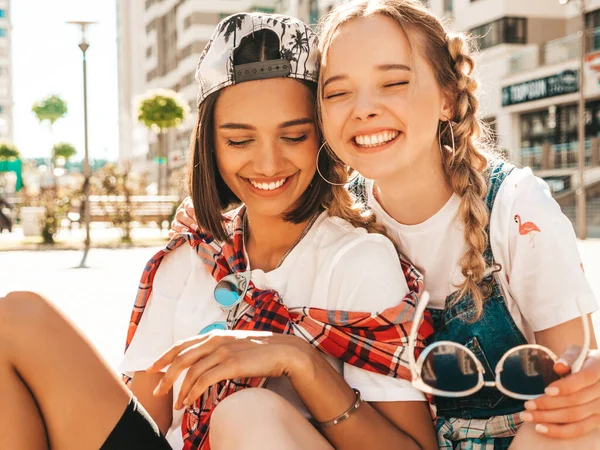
(524, 362)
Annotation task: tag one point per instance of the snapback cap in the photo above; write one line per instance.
(297, 46)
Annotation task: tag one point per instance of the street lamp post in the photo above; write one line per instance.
(580, 192)
(83, 45)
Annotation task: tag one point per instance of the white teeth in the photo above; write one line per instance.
(375, 139)
(268, 186)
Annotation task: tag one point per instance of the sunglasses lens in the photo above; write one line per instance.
(450, 368)
(528, 371)
(229, 291)
(214, 326)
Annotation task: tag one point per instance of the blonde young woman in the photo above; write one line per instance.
(398, 104)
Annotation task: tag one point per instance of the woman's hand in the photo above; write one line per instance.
(185, 218)
(571, 406)
(223, 355)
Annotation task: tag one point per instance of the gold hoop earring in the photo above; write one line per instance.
(325, 179)
(449, 122)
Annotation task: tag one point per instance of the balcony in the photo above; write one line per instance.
(560, 156)
(551, 52)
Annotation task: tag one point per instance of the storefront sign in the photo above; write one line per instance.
(565, 82)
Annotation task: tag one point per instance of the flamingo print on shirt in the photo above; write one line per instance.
(527, 228)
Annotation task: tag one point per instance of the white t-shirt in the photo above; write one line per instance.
(542, 274)
(335, 266)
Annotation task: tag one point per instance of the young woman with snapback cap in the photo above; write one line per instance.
(291, 289)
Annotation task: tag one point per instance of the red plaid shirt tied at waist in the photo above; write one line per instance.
(374, 342)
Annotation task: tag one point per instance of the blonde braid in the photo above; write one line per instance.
(464, 170)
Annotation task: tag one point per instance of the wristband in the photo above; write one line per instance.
(346, 414)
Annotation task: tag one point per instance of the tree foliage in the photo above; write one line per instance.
(161, 109)
(63, 150)
(8, 151)
(51, 109)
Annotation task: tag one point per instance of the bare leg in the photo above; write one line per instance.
(262, 420)
(527, 438)
(14, 419)
(48, 364)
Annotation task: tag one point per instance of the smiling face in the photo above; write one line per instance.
(380, 101)
(266, 143)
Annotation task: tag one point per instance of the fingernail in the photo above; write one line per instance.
(530, 405)
(541, 428)
(527, 417)
(552, 391)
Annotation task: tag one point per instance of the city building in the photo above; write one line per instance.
(6, 100)
(131, 37)
(529, 72)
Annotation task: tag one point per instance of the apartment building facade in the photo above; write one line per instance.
(529, 67)
(6, 100)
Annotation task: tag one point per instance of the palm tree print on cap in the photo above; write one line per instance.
(231, 25)
(297, 43)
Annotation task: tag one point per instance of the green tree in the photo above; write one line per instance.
(51, 109)
(8, 151)
(160, 110)
(63, 150)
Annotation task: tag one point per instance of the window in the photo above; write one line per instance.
(185, 52)
(151, 75)
(592, 23)
(149, 3)
(507, 30)
(151, 26)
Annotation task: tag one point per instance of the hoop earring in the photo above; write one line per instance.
(325, 179)
(449, 122)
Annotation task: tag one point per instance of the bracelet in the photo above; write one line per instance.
(345, 415)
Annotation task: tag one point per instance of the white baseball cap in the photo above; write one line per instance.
(297, 43)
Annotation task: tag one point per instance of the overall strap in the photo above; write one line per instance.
(496, 172)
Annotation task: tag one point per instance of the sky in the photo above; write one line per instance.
(47, 60)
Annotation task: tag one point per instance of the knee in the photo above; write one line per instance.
(247, 404)
(21, 309)
(244, 412)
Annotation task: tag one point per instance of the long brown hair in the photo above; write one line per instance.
(210, 194)
(450, 56)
